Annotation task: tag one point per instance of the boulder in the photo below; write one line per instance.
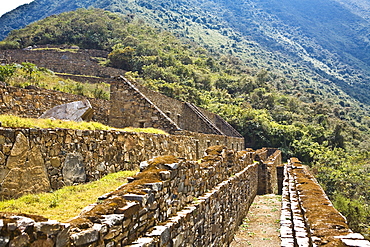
(74, 111)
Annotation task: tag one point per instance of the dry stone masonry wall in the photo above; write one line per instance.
(308, 217)
(176, 202)
(267, 174)
(172, 202)
(59, 157)
(130, 107)
(33, 103)
(135, 105)
(79, 62)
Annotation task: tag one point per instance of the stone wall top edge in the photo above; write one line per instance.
(188, 134)
(327, 225)
(77, 130)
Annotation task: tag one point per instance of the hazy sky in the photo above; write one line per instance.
(8, 5)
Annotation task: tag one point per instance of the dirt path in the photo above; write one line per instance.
(261, 227)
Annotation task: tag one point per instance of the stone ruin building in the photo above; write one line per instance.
(130, 105)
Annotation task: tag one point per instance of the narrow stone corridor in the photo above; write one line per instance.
(262, 225)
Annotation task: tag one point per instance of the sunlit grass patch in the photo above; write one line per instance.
(67, 202)
(56, 49)
(145, 130)
(11, 121)
(28, 74)
(19, 122)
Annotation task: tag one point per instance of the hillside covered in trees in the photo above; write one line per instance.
(285, 106)
(320, 42)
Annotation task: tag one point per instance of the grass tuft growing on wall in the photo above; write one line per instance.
(67, 202)
(145, 130)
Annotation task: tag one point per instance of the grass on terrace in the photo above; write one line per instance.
(11, 121)
(28, 74)
(67, 202)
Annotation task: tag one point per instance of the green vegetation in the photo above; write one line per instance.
(27, 74)
(318, 48)
(300, 112)
(145, 130)
(67, 202)
(18, 122)
(96, 29)
(345, 178)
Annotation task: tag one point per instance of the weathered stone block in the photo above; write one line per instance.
(62, 238)
(20, 241)
(4, 241)
(113, 232)
(74, 169)
(139, 198)
(27, 172)
(163, 233)
(55, 162)
(112, 219)
(131, 209)
(154, 186)
(49, 227)
(165, 175)
(85, 237)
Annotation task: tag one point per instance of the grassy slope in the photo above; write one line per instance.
(67, 202)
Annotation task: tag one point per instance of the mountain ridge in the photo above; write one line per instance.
(260, 33)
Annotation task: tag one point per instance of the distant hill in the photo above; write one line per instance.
(314, 41)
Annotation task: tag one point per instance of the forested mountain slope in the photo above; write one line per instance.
(319, 42)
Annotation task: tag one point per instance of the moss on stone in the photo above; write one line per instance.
(215, 150)
(37, 218)
(162, 160)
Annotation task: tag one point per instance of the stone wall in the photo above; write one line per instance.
(221, 124)
(172, 202)
(171, 107)
(308, 217)
(86, 79)
(129, 107)
(270, 159)
(33, 103)
(135, 105)
(58, 157)
(268, 178)
(79, 62)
